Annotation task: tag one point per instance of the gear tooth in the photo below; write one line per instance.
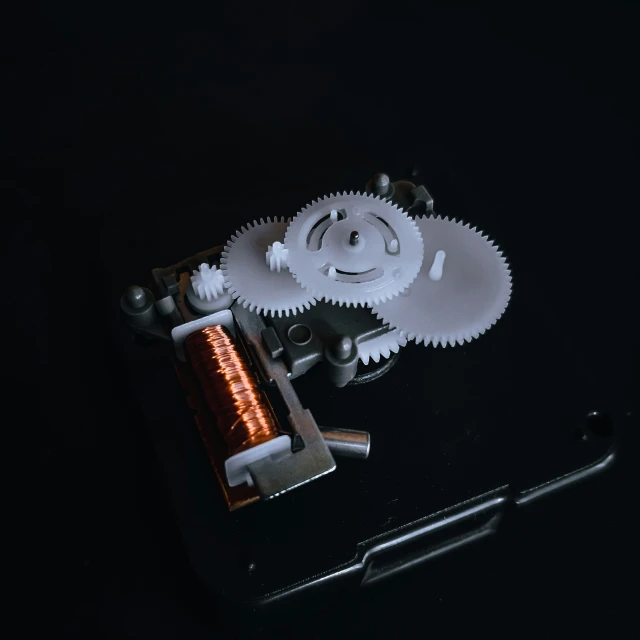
(375, 356)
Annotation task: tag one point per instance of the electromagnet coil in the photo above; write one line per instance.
(230, 389)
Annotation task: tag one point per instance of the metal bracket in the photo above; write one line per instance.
(314, 459)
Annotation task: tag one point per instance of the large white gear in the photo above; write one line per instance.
(456, 296)
(250, 280)
(327, 258)
(381, 346)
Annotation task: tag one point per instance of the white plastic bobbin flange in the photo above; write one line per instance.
(237, 467)
(180, 333)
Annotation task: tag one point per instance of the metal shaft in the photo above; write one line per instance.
(347, 443)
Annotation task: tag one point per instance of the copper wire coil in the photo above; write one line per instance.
(230, 389)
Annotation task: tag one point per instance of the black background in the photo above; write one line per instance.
(134, 136)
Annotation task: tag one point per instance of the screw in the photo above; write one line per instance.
(353, 238)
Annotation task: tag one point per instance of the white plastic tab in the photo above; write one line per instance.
(435, 273)
(237, 466)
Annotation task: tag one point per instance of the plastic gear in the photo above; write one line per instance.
(207, 282)
(250, 280)
(354, 249)
(459, 297)
(277, 256)
(381, 346)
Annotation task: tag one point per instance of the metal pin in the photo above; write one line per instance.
(347, 443)
(342, 348)
(353, 238)
(136, 297)
(380, 184)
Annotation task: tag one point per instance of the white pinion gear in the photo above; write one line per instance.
(277, 256)
(207, 282)
(462, 290)
(250, 280)
(354, 249)
(381, 346)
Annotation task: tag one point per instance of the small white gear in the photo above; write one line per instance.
(277, 256)
(208, 282)
(381, 346)
(462, 290)
(250, 280)
(354, 249)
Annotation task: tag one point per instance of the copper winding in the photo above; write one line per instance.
(230, 389)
